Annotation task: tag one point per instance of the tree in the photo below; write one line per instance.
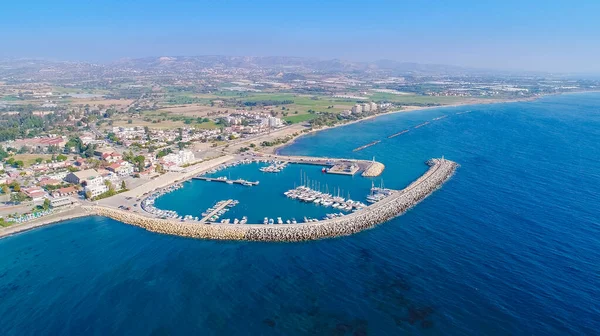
(88, 194)
(18, 197)
(46, 204)
(3, 154)
(123, 185)
(140, 162)
(61, 157)
(5, 189)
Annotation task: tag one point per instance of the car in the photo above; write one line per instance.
(135, 205)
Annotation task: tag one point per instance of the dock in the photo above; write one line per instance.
(344, 169)
(217, 179)
(217, 209)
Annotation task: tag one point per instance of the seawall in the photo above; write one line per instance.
(396, 204)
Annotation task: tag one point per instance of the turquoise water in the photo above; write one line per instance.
(267, 198)
(509, 246)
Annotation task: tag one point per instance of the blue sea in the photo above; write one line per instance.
(509, 246)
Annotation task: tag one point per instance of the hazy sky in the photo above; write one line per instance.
(532, 35)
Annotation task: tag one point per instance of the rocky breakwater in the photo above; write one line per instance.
(374, 169)
(172, 227)
(396, 204)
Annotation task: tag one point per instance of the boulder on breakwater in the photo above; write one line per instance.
(374, 169)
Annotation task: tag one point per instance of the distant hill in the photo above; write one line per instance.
(36, 69)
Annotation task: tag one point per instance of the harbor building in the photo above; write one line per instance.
(60, 201)
(95, 190)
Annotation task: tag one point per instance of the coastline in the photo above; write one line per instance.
(82, 212)
(407, 109)
(55, 218)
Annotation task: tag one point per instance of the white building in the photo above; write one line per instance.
(366, 107)
(275, 122)
(373, 106)
(96, 190)
(180, 158)
(356, 109)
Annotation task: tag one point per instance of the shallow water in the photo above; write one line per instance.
(510, 245)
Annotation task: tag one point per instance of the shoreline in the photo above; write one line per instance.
(390, 207)
(55, 218)
(80, 211)
(275, 149)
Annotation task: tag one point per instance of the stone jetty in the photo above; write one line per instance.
(394, 205)
(375, 169)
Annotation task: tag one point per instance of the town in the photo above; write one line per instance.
(78, 134)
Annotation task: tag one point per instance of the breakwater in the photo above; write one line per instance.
(394, 205)
(397, 134)
(366, 146)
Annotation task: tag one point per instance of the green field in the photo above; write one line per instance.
(414, 99)
(298, 118)
(303, 103)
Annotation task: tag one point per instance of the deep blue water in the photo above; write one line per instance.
(509, 246)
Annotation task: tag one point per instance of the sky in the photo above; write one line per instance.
(555, 36)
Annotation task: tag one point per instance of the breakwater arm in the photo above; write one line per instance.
(394, 205)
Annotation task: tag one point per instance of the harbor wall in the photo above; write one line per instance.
(394, 205)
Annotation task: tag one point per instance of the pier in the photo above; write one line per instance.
(392, 206)
(218, 179)
(221, 206)
(369, 168)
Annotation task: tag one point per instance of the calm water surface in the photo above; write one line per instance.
(509, 246)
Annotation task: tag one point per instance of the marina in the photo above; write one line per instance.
(332, 225)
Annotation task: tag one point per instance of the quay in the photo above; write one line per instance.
(344, 169)
(397, 203)
(366, 146)
(216, 179)
(368, 167)
(397, 134)
(222, 206)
